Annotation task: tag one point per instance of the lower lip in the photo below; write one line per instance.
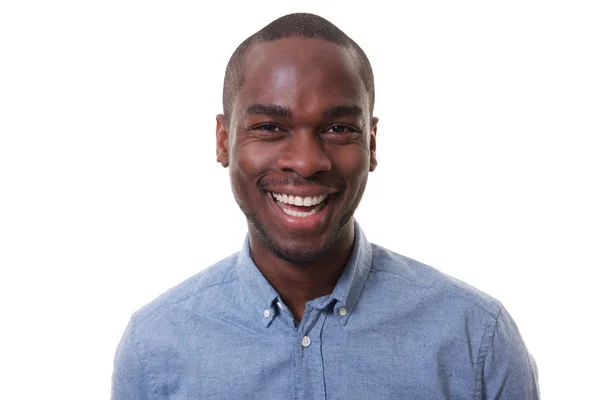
(302, 223)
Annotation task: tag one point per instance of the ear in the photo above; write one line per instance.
(222, 141)
(373, 144)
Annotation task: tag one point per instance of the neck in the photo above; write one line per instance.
(300, 283)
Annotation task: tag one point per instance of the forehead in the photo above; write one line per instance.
(302, 74)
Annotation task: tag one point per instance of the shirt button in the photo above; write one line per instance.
(279, 305)
(305, 341)
(267, 313)
(343, 311)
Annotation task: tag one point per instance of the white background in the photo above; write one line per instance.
(110, 193)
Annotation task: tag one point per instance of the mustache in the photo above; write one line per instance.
(297, 180)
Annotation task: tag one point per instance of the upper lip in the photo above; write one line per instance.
(308, 191)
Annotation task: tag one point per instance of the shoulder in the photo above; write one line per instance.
(217, 278)
(455, 312)
(426, 282)
(150, 349)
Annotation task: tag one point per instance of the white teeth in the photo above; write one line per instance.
(299, 201)
(316, 202)
(298, 213)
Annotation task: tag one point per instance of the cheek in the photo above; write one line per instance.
(247, 165)
(255, 158)
(353, 166)
(353, 163)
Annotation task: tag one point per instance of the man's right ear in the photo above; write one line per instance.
(222, 141)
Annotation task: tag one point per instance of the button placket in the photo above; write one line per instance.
(311, 368)
(306, 341)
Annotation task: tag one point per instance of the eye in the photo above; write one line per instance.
(268, 128)
(340, 129)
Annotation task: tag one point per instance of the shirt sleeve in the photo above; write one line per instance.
(129, 380)
(509, 371)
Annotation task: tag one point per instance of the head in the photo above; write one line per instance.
(298, 127)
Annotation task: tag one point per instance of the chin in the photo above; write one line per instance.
(305, 250)
(297, 254)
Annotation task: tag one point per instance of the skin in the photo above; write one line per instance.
(300, 124)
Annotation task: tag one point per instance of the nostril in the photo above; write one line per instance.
(304, 154)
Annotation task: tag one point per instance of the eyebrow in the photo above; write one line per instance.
(270, 110)
(343, 111)
(278, 111)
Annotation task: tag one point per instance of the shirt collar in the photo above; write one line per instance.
(257, 289)
(353, 278)
(263, 296)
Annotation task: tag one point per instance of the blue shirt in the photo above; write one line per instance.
(393, 328)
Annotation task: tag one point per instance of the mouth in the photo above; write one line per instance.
(301, 211)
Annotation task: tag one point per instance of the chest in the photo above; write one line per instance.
(327, 360)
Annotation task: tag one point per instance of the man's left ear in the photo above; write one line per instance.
(373, 144)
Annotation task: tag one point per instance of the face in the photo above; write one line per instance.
(299, 144)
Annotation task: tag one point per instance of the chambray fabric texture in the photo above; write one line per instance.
(393, 328)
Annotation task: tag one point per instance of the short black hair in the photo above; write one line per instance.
(292, 25)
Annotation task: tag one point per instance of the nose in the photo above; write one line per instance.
(304, 154)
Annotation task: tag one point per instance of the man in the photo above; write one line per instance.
(309, 309)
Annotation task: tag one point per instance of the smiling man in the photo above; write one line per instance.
(309, 309)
